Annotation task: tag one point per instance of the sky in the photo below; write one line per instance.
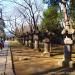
(8, 9)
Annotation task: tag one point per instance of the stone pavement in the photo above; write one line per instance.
(5, 60)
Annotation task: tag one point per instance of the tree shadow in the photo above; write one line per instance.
(56, 71)
(56, 53)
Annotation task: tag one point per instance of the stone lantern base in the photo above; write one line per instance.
(63, 63)
(46, 50)
(29, 43)
(45, 54)
(70, 64)
(26, 43)
(67, 61)
(36, 44)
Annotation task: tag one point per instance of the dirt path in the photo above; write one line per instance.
(30, 62)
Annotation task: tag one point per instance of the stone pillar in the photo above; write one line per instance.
(46, 47)
(30, 39)
(26, 43)
(46, 42)
(29, 43)
(36, 44)
(23, 40)
(67, 52)
(32, 42)
(46, 51)
(26, 39)
(36, 41)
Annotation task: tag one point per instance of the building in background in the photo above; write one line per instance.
(2, 25)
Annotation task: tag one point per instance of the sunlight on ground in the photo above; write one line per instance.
(30, 62)
(15, 42)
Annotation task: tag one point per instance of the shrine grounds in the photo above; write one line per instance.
(28, 61)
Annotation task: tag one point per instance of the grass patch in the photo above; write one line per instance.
(14, 43)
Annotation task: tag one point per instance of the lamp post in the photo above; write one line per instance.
(67, 32)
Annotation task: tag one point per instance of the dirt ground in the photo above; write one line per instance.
(31, 62)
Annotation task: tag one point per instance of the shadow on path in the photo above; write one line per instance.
(56, 71)
(56, 53)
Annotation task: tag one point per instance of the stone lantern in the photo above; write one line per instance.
(36, 39)
(46, 43)
(67, 33)
(68, 41)
(26, 39)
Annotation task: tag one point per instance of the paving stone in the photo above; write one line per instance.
(5, 58)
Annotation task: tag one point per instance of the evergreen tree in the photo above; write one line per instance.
(51, 19)
(72, 2)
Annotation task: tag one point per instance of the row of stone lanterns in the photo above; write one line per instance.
(32, 40)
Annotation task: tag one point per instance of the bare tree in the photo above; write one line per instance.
(30, 10)
(14, 26)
